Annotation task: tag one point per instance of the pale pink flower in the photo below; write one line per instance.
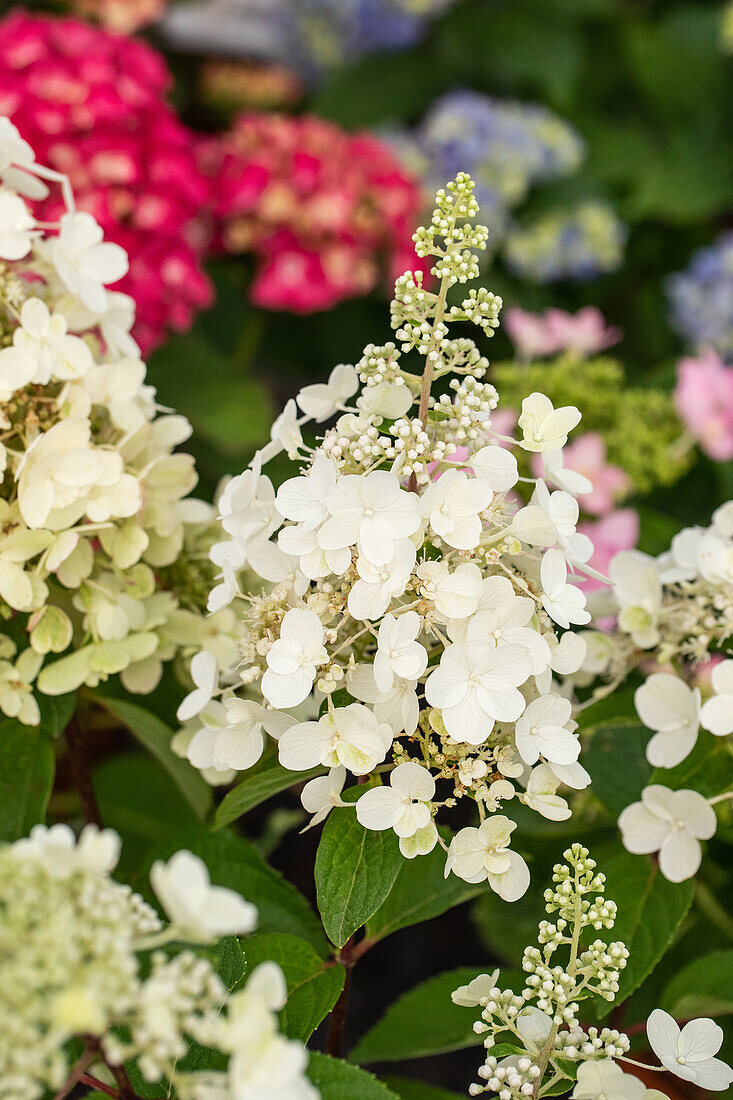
(703, 398)
(530, 333)
(536, 335)
(584, 332)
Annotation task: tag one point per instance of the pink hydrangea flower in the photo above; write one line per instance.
(587, 455)
(324, 212)
(536, 335)
(585, 332)
(703, 398)
(530, 333)
(93, 105)
(616, 531)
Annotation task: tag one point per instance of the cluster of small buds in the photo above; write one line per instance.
(456, 262)
(380, 364)
(516, 1079)
(580, 1044)
(544, 1018)
(573, 880)
(482, 307)
(467, 411)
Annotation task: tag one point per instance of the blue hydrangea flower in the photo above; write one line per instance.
(577, 243)
(701, 297)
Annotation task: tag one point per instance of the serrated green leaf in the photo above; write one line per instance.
(234, 862)
(313, 986)
(156, 736)
(425, 1021)
(650, 912)
(420, 892)
(337, 1080)
(255, 789)
(27, 767)
(355, 870)
(702, 988)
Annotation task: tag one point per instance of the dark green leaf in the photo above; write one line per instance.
(234, 862)
(337, 1080)
(650, 912)
(354, 872)
(26, 777)
(156, 736)
(616, 761)
(424, 1021)
(56, 712)
(420, 892)
(271, 778)
(702, 988)
(708, 769)
(313, 986)
(408, 1089)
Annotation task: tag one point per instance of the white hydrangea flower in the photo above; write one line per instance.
(205, 675)
(638, 590)
(483, 854)
(473, 689)
(17, 227)
(350, 735)
(453, 505)
(199, 911)
(85, 262)
(320, 795)
(716, 714)
(371, 512)
(540, 794)
(666, 704)
(321, 400)
(398, 653)
(563, 602)
(476, 992)
(377, 585)
(672, 823)
(542, 731)
(403, 805)
(605, 1080)
(57, 354)
(545, 428)
(293, 659)
(689, 1053)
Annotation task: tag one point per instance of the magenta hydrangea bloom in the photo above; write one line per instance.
(93, 105)
(324, 212)
(703, 397)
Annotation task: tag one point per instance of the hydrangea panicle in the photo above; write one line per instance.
(410, 632)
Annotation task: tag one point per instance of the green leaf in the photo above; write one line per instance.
(271, 778)
(408, 1089)
(313, 986)
(650, 912)
(156, 736)
(708, 768)
(234, 862)
(420, 892)
(56, 712)
(424, 1021)
(702, 988)
(355, 870)
(615, 759)
(27, 767)
(337, 1080)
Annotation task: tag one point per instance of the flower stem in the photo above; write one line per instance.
(81, 774)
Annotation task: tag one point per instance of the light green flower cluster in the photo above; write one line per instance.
(103, 561)
(641, 429)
